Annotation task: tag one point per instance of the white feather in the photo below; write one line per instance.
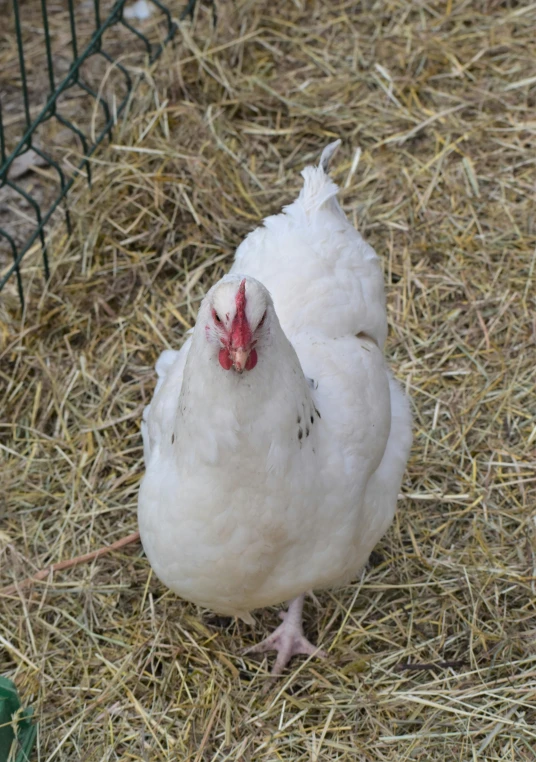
(237, 509)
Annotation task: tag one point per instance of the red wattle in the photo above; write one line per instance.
(252, 360)
(225, 361)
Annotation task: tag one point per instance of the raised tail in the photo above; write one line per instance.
(328, 153)
(318, 187)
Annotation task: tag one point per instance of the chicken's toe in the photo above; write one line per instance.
(288, 639)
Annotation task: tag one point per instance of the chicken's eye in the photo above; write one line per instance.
(217, 318)
(263, 318)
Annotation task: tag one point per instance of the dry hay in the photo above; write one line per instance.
(431, 653)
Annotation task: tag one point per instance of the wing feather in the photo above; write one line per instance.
(158, 417)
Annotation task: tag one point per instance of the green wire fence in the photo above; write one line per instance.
(41, 210)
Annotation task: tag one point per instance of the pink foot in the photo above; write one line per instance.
(288, 639)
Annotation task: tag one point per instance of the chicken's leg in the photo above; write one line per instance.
(288, 639)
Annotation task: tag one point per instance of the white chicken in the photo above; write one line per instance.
(277, 439)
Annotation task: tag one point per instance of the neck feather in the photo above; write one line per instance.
(221, 413)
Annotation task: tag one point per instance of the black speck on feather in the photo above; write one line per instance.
(300, 433)
(172, 438)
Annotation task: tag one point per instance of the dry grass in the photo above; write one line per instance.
(440, 97)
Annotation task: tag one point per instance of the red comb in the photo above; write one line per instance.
(241, 297)
(240, 330)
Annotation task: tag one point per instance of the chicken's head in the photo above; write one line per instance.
(237, 321)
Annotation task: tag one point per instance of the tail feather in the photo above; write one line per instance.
(328, 153)
(318, 187)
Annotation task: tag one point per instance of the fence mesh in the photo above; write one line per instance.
(66, 79)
